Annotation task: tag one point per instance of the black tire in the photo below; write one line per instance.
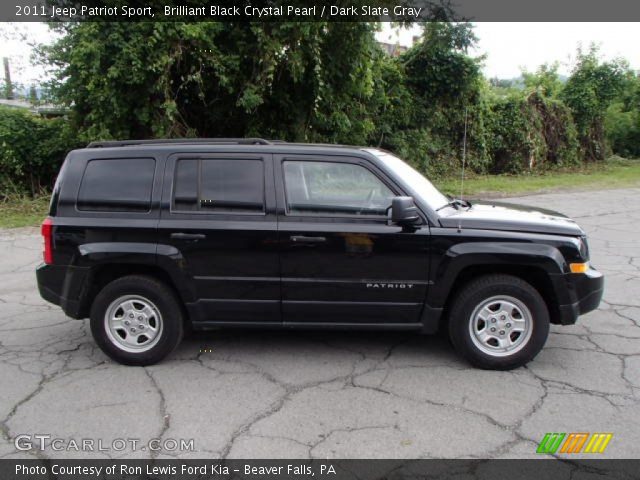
(161, 299)
(481, 290)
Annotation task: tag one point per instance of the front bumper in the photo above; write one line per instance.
(583, 294)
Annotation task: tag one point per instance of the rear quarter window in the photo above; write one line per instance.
(117, 185)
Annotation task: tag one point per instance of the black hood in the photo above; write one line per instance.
(511, 217)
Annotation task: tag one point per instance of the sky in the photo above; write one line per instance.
(16, 43)
(512, 46)
(509, 47)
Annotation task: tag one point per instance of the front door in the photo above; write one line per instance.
(341, 261)
(221, 222)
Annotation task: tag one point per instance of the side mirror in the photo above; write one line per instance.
(404, 211)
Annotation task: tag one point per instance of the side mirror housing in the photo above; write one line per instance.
(404, 212)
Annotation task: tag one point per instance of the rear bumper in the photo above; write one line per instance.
(63, 286)
(584, 293)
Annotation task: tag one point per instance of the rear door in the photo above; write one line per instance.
(221, 219)
(341, 261)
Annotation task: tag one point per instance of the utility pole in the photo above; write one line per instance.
(8, 87)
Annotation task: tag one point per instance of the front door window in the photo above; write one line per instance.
(332, 188)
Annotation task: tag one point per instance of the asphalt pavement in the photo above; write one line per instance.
(239, 394)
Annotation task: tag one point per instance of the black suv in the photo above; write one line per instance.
(151, 238)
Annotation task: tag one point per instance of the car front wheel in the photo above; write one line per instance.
(498, 322)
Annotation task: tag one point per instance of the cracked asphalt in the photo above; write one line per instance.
(242, 394)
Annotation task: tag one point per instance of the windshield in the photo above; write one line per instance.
(412, 178)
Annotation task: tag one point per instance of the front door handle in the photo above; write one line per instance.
(188, 236)
(305, 239)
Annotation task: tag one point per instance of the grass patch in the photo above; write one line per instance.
(23, 211)
(615, 173)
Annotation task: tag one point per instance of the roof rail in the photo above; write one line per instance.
(160, 141)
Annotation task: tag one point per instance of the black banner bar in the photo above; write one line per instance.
(317, 469)
(330, 10)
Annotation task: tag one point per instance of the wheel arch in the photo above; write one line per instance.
(538, 264)
(103, 274)
(537, 277)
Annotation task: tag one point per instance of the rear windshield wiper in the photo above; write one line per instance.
(456, 203)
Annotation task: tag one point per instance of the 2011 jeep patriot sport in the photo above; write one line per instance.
(148, 238)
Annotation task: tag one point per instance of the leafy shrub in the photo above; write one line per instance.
(622, 120)
(530, 132)
(31, 150)
(592, 87)
(320, 82)
(433, 87)
(622, 127)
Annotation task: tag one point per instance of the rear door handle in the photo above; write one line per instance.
(188, 236)
(305, 239)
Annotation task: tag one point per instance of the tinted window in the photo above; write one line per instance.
(186, 185)
(212, 185)
(117, 185)
(334, 188)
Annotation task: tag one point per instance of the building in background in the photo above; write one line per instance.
(396, 49)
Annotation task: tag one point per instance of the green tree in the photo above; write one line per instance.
(438, 68)
(443, 82)
(545, 80)
(622, 120)
(591, 88)
(296, 81)
(331, 82)
(527, 131)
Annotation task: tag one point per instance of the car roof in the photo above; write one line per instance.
(220, 144)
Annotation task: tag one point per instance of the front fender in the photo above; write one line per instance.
(473, 254)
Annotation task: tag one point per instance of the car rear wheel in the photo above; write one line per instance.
(137, 320)
(498, 322)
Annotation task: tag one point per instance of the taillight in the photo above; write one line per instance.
(46, 230)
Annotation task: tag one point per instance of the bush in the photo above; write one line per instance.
(530, 132)
(592, 87)
(428, 90)
(623, 130)
(31, 150)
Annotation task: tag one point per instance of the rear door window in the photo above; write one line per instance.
(117, 185)
(219, 186)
